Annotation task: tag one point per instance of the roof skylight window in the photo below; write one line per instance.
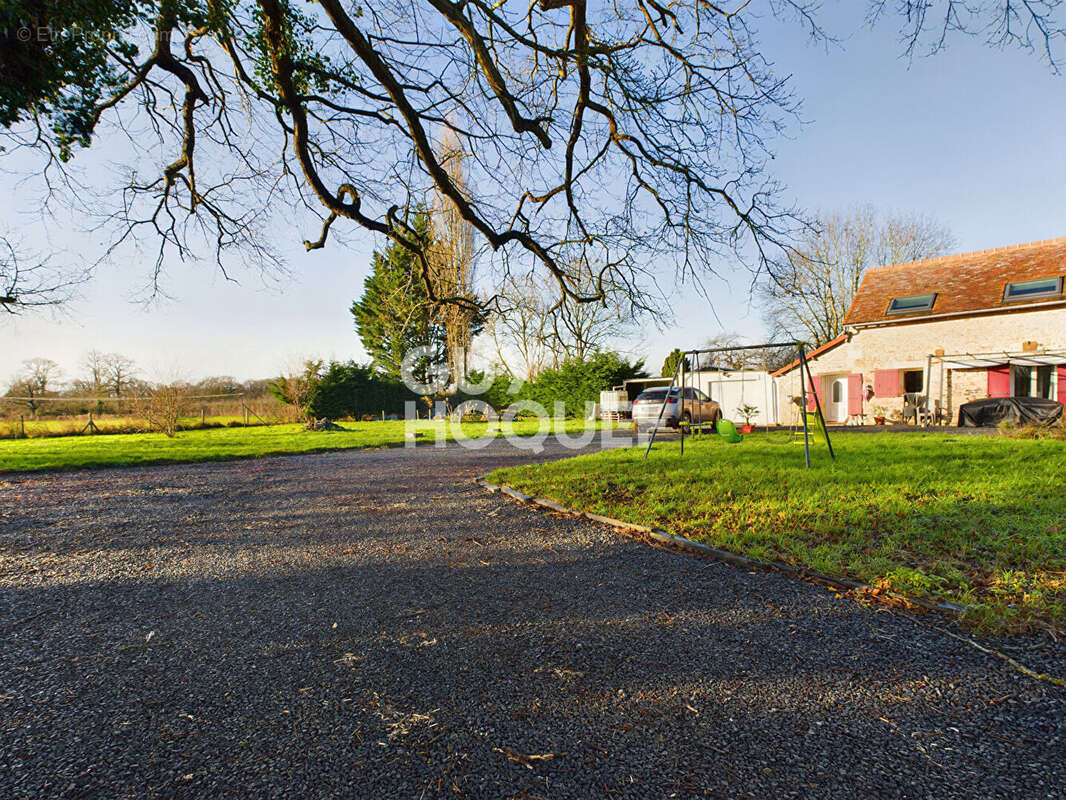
(911, 303)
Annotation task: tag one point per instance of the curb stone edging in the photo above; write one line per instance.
(616, 523)
(523, 498)
(540, 501)
(725, 556)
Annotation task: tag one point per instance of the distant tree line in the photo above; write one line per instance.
(105, 383)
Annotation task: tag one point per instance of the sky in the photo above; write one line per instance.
(972, 136)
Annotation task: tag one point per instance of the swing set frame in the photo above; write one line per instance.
(805, 378)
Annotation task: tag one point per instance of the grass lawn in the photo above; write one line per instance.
(974, 520)
(220, 444)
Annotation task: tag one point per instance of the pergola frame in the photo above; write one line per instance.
(997, 358)
(680, 371)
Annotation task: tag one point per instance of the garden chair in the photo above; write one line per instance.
(939, 415)
(913, 408)
(916, 407)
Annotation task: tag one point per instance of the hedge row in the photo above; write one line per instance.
(347, 389)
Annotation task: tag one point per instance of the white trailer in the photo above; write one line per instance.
(733, 389)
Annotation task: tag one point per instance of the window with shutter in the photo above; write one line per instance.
(886, 383)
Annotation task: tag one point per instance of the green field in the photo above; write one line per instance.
(221, 444)
(107, 424)
(973, 520)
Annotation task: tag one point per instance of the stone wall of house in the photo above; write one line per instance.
(962, 386)
(906, 346)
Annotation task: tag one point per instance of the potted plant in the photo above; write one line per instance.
(747, 412)
(880, 411)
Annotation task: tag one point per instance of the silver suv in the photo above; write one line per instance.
(699, 409)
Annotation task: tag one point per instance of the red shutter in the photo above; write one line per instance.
(854, 394)
(1061, 395)
(999, 381)
(886, 383)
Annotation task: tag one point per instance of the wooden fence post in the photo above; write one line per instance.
(90, 426)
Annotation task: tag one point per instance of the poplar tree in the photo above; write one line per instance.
(395, 313)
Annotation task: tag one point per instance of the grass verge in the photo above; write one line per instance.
(971, 520)
(221, 444)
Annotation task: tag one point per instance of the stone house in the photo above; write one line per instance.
(947, 330)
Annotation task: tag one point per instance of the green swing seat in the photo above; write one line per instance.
(728, 431)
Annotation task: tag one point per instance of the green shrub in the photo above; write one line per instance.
(498, 395)
(577, 382)
(353, 390)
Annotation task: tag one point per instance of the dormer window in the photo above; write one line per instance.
(1032, 290)
(911, 303)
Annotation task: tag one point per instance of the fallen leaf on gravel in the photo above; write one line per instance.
(525, 759)
(400, 723)
(349, 659)
(560, 672)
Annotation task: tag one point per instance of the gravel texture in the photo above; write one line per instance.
(372, 624)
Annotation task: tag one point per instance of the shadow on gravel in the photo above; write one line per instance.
(408, 676)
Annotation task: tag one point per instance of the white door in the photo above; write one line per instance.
(837, 403)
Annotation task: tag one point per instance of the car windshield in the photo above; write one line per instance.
(658, 394)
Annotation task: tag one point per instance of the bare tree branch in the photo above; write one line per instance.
(810, 300)
(632, 135)
(29, 281)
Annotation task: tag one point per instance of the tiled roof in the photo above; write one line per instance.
(962, 283)
(812, 354)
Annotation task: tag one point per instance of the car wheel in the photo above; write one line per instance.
(685, 425)
(714, 423)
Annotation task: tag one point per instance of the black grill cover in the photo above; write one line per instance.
(1021, 410)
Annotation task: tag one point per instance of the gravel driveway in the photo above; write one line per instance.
(371, 624)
